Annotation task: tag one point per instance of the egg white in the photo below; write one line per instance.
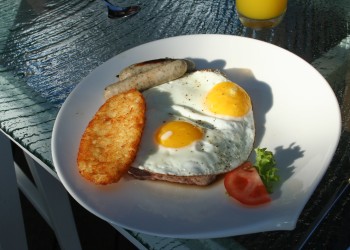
(227, 142)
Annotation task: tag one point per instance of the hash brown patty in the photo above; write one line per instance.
(111, 139)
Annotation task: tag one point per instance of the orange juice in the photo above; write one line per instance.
(261, 13)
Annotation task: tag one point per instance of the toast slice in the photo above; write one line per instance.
(198, 180)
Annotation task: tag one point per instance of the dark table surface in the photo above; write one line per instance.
(48, 47)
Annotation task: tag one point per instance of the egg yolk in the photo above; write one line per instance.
(177, 134)
(227, 98)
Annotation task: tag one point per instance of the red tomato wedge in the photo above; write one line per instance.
(245, 185)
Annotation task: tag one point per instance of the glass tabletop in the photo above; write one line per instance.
(48, 47)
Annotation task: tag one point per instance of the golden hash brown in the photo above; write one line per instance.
(111, 139)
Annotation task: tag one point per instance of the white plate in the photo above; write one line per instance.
(297, 117)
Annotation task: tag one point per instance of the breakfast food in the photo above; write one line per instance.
(245, 185)
(251, 184)
(198, 180)
(153, 77)
(111, 139)
(142, 67)
(198, 126)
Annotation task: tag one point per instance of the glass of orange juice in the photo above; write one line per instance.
(259, 14)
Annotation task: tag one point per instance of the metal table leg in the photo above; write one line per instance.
(57, 205)
(12, 231)
(48, 196)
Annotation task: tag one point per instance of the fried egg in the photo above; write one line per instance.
(200, 124)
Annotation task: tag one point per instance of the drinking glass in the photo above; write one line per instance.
(258, 14)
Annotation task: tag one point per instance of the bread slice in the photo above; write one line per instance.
(111, 139)
(199, 180)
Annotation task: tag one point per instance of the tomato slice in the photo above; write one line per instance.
(245, 185)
